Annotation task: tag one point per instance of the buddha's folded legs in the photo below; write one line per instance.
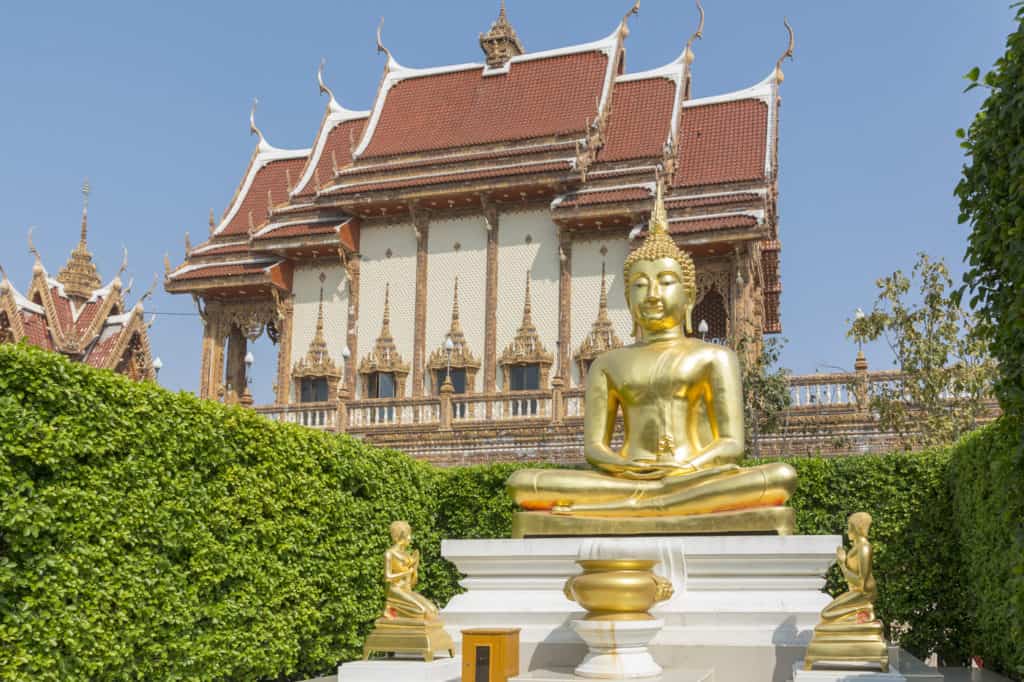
(846, 605)
(593, 494)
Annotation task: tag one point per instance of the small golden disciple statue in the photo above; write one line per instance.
(681, 402)
(849, 632)
(411, 622)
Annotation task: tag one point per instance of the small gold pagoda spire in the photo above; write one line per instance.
(602, 336)
(384, 356)
(318, 362)
(526, 347)
(79, 275)
(500, 43)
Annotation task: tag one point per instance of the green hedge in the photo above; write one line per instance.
(145, 534)
(986, 476)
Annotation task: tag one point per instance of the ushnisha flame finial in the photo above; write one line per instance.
(688, 55)
(324, 90)
(779, 76)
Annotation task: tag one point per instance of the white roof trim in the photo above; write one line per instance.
(209, 247)
(336, 115)
(649, 186)
(761, 191)
(216, 264)
(396, 73)
(464, 171)
(288, 223)
(265, 153)
(757, 214)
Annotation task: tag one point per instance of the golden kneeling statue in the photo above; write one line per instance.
(682, 409)
(411, 623)
(849, 632)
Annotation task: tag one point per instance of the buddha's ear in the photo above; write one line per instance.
(688, 317)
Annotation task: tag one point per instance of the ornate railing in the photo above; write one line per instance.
(808, 393)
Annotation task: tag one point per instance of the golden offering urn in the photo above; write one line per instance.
(681, 401)
(411, 623)
(849, 632)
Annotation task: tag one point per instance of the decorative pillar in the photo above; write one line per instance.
(446, 392)
(421, 223)
(284, 351)
(491, 301)
(352, 267)
(557, 401)
(237, 348)
(343, 399)
(860, 368)
(212, 372)
(564, 304)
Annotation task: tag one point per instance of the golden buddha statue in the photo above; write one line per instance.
(682, 410)
(411, 622)
(849, 632)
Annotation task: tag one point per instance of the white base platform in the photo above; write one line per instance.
(566, 675)
(402, 670)
(848, 675)
(617, 649)
(731, 590)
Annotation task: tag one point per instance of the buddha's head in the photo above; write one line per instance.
(660, 279)
(401, 533)
(858, 525)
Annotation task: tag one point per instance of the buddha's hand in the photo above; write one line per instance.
(656, 470)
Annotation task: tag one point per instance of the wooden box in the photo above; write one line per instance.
(490, 654)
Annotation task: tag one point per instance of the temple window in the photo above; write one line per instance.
(382, 370)
(602, 337)
(712, 310)
(313, 390)
(380, 385)
(458, 377)
(525, 363)
(524, 377)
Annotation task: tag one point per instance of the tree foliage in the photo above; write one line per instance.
(765, 388)
(946, 373)
(991, 194)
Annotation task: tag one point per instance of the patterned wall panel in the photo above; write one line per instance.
(586, 290)
(388, 257)
(457, 247)
(527, 242)
(307, 297)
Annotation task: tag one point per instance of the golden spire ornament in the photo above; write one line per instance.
(79, 275)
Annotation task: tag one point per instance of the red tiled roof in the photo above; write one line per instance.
(300, 230)
(209, 250)
(340, 141)
(63, 307)
(607, 197)
(709, 224)
(720, 200)
(272, 177)
(35, 330)
(640, 120)
(88, 314)
(722, 142)
(216, 270)
(100, 353)
(536, 98)
(419, 181)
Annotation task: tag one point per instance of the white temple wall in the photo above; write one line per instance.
(527, 241)
(586, 292)
(306, 288)
(457, 248)
(398, 269)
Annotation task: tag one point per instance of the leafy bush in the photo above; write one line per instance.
(987, 481)
(145, 534)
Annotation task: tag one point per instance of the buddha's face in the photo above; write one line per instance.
(656, 296)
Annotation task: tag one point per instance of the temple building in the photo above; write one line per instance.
(440, 269)
(76, 315)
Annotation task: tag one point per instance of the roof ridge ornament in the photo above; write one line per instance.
(500, 43)
(392, 63)
(38, 265)
(262, 145)
(324, 90)
(79, 275)
(624, 24)
(777, 73)
(688, 55)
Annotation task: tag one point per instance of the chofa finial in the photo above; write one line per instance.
(253, 128)
(688, 55)
(779, 76)
(624, 24)
(324, 90)
(380, 43)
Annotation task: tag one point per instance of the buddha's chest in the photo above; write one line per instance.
(657, 376)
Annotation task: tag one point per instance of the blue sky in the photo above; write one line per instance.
(150, 100)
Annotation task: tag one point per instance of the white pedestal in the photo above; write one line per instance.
(848, 675)
(402, 670)
(617, 649)
(731, 590)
